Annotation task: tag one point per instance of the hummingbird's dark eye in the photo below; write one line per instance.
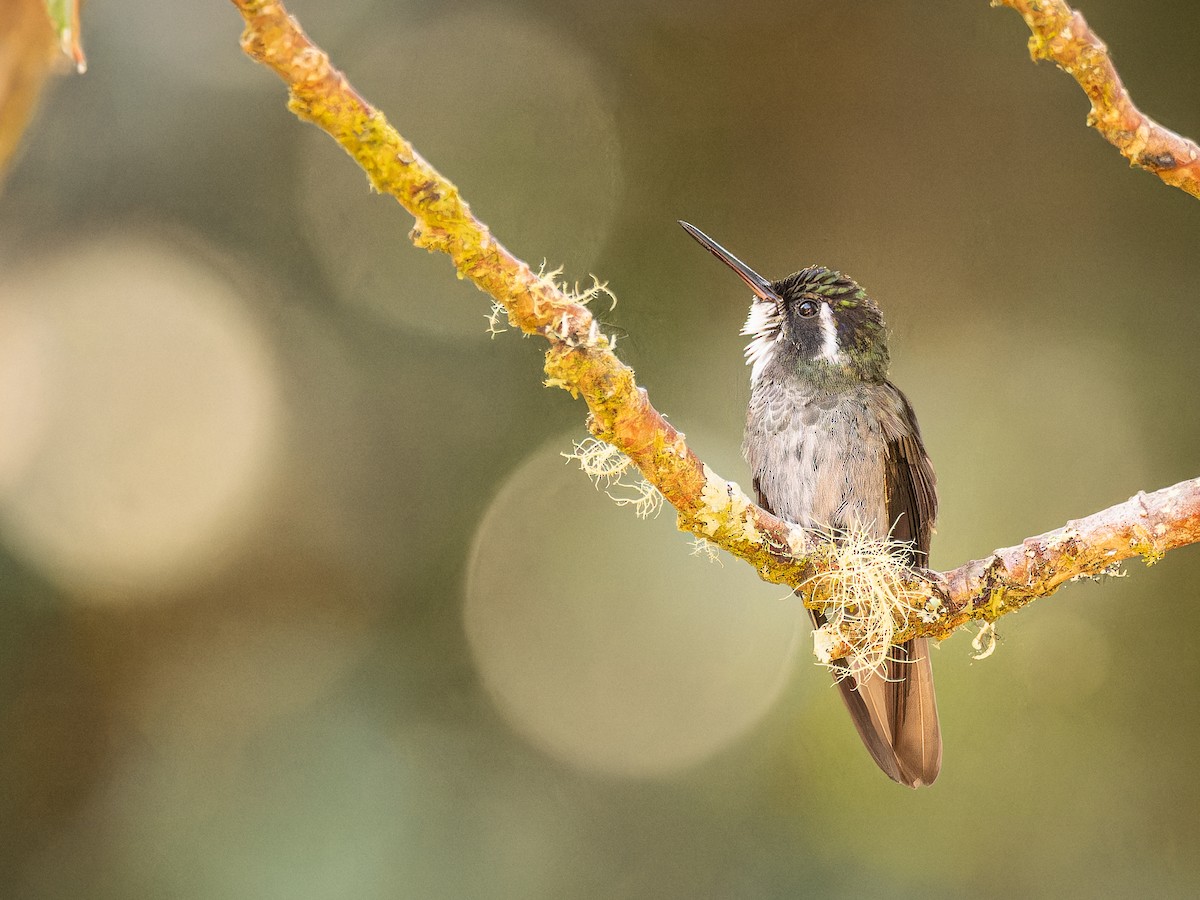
(808, 308)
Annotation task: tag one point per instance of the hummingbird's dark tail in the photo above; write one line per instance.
(895, 713)
(916, 734)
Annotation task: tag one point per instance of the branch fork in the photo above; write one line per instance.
(580, 359)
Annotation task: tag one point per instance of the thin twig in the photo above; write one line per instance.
(1061, 34)
(580, 360)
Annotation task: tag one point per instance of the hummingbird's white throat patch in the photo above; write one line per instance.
(829, 344)
(764, 325)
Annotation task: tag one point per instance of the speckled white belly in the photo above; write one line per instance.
(819, 460)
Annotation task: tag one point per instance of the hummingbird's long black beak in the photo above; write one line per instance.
(761, 287)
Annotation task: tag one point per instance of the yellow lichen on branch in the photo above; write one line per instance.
(1145, 526)
(1062, 35)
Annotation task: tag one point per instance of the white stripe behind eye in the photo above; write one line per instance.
(829, 343)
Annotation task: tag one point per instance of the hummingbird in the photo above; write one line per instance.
(834, 447)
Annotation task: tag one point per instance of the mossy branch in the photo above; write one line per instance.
(580, 359)
(1062, 35)
(1145, 526)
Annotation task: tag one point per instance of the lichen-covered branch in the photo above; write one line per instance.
(1061, 34)
(1145, 526)
(580, 359)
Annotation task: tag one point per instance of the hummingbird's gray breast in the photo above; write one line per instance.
(819, 457)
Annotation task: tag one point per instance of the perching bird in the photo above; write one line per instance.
(833, 446)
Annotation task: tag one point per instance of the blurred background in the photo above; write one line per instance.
(299, 597)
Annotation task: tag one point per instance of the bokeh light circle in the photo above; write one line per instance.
(24, 381)
(154, 403)
(604, 642)
(515, 115)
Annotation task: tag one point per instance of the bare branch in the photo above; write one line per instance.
(580, 360)
(1062, 35)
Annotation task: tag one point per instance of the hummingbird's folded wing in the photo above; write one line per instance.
(912, 507)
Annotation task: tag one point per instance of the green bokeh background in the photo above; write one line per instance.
(301, 714)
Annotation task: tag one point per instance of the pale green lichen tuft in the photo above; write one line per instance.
(1146, 544)
(587, 295)
(609, 469)
(494, 318)
(707, 550)
(866, 601)
(984, 643)
(564, 329)
(646, 501)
